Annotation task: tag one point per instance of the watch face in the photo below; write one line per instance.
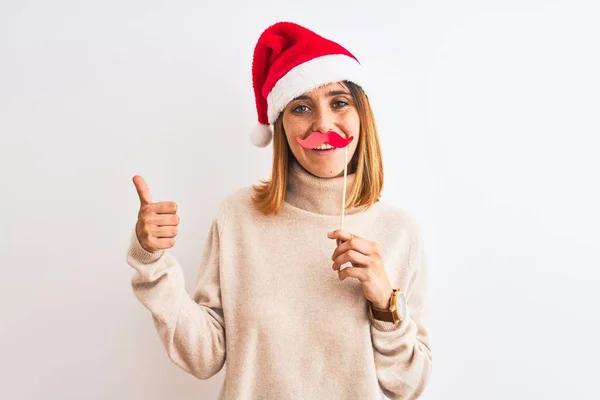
(401, 305)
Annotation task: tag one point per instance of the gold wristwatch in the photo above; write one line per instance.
(395, 313)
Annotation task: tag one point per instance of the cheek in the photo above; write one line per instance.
(294, 127)
(351, 123)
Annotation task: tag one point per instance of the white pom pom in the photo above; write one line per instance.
(261, 135)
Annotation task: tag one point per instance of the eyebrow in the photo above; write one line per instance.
(329, 94)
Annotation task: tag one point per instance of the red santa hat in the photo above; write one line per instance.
(290, 60)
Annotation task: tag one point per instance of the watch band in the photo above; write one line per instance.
(382, 315)
(386, 315)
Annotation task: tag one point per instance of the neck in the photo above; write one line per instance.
(315, 194)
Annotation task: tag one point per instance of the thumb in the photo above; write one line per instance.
(143, 190)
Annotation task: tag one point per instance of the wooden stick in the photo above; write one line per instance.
(345, 178)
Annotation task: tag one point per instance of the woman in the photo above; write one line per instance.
(271, 297)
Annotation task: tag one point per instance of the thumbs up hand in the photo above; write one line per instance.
(156, 227)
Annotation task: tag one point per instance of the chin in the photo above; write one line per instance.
(324, 172)
(322, 168)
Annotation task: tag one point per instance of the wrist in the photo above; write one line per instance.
(383, 304)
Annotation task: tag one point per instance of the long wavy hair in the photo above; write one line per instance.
(268, 195)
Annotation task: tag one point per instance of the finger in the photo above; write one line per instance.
(166, 220)
(164, 243)
(341, 235)
(352, 256)
(356, 243)
(166, 232)
(164, 207)
(351, 272)
(142, 190)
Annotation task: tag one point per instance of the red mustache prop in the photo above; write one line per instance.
(316, 139)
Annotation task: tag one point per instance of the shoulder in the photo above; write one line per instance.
(237, 202)
(240, 197)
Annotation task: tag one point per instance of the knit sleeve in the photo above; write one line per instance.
(402, 352)
(192, 329)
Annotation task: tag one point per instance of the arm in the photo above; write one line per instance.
(402, 352)
(191, 330)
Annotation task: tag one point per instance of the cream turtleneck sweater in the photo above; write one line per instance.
(268, 306)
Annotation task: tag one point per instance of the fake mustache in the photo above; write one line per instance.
(316, 139)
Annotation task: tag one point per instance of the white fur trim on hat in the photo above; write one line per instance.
(261, 135)
(310, 75)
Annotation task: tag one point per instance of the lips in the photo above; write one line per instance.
(324, 152)
(316, 139)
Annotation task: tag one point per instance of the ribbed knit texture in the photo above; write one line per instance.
(268, 306)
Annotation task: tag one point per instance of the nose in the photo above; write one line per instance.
(324, 121)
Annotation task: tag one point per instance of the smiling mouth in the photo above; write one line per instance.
(331, 147)
(325, 151)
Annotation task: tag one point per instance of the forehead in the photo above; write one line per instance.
(321, 90)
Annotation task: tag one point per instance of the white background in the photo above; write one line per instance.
(488, 118)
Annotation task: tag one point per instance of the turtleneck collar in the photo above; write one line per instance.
(319, 195)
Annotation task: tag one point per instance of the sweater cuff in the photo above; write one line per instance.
(137, 252)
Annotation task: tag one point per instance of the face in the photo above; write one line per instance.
(327, 108)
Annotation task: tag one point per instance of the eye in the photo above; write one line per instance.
(299, 109)
(340, 104)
